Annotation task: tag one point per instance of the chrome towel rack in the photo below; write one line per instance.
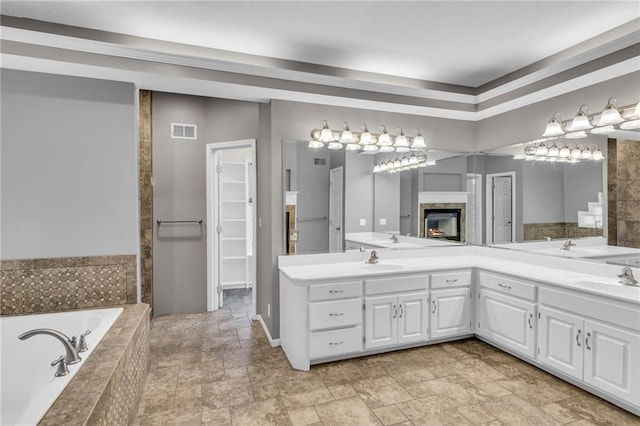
(160, 222)
(312, 219)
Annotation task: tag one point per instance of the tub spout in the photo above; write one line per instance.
(71, 356)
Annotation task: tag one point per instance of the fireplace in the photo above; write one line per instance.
(443, 224)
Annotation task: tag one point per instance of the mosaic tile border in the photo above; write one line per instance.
(60, 284)
(108, 388)
(558, 230)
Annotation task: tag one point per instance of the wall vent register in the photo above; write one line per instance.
(184, 131)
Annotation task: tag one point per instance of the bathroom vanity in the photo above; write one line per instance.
(568, 317)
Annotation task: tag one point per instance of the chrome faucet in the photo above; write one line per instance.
(627, 277)
(373, 259)
(546, 238)
(394, 238)
(567, 245)
(71, 356)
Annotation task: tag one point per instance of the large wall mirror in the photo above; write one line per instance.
(334, 201)
(561, 207)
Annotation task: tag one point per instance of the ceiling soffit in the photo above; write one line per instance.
(46, 45)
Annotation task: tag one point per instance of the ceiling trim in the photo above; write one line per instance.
(46, 46)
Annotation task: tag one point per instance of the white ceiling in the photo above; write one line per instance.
(393, 48)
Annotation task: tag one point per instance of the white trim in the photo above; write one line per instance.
(273, 342)
(489, 205)
(210, 150)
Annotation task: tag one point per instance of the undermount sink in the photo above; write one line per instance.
(588, 282)
(382, 266)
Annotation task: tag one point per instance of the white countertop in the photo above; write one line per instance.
(383, 240)
(497, 262)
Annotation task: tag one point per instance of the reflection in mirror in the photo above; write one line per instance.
(335, 201)
(531, 200)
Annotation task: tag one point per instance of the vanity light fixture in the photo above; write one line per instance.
(553, 154)
(403, 163)
(554, 126)
(365, 141)
(610, 115)
(581, 120)
(553, 151)
(564, 152)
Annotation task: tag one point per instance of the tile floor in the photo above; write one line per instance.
(218, 368)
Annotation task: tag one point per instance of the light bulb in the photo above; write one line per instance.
(326, 135)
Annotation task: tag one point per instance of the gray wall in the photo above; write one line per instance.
(582, 182)
(179, 192)
(542, 192)
(69, 154)
(449, 174)
(358, 195)
(386, 202)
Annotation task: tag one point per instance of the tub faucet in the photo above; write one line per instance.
(567, 245)
(373, 259)
(71, 356)
(627, 277)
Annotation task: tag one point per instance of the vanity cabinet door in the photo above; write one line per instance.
(611, 360)
(508, 321)
(450, 312)
(413, 317)
(381, 323)
(561, 341)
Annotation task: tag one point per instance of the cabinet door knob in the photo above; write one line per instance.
(335, 291)
(455, 280)
(578, 336)
(336, 343)
(401, 311)
(336, 315)
(395, 311)
(508, 287)
(434, 307)
(586, 341)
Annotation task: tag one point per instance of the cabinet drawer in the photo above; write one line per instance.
(338, 313)
(335, 342)
(343, 290)
(397, 284)
(508, 285)
(451, 279)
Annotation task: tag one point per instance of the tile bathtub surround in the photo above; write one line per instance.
(108, 388)
(559, 230)
(218, 369)
(61, 284)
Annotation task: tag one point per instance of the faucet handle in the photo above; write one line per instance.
(62, 369)
(81, 346)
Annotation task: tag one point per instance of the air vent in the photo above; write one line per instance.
(319, 161)
(183, 131)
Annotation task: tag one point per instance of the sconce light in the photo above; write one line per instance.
(554, 126)
(581, 120)
(610, 115)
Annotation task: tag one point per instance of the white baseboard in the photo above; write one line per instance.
(273, 342)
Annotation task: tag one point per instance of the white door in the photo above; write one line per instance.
(413, 318)
(381, 321)
(335, 209)
(502, 209)
(509, 321)
(450, 312)
(612, 360)
(474, 209)
(561, 341)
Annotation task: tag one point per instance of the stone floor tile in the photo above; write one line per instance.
(343, 412)
(406, 374)
(381, 391)
(593, 409)
(457, 390)
(511, 409)
(475, 414)
(535, 392)
(390, 415)
(216, 416)
(268, 412)
(227, 393)
(342, 391)
(303, 416)
(432, 410)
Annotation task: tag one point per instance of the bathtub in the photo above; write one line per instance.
(28, 384)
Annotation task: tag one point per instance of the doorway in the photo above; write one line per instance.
(336, 177)
(501, 208)
(231, 215)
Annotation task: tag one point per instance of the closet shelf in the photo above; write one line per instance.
(234, 257)
(233, 201)
(233, 181)
(234, 220)
(234, 238)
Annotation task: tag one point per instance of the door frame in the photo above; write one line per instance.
(489, 234)
(478, 199)
(213, 299)
(339, 169)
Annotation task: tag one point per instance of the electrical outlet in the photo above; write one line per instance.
(363, 222)
(269, 310)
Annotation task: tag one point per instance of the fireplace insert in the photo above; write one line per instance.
(442, 224)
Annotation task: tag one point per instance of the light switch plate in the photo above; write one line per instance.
(383, 221)
(363, 222)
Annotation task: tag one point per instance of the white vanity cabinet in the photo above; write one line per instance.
(507, 312)
(450, 304)
(575, 339)
(396, 310)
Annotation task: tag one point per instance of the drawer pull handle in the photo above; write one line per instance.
(335, 291)
(530, 318)
(508, 287)
(578, 338)
(401, 311)
(395, 311)
(586, 341)
(336, 343)
(336, 315)
(455, 280)
(434, 307)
